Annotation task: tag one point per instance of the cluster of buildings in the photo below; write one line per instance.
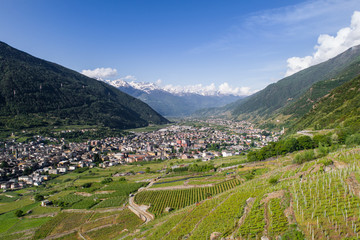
(32, 163)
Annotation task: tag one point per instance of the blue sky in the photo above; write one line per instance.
(245, 44)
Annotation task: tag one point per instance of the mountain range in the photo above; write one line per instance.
(287, 101)
(35, 92)
(170, 102)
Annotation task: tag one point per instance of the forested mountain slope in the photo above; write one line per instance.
(34, 92)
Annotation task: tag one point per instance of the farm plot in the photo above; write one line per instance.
(61, 223)
(225, 217)
(254, 224)
(278, 222)
(186, 225)
(166, 226)
(112, 195)
(177, 199)
(111, 202)
(120, 224)
(325, 205)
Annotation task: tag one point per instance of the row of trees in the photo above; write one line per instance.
(287, 146)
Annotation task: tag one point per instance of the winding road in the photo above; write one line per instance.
(141, 211)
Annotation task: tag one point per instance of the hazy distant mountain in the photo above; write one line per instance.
(35, 92)
(170, 102)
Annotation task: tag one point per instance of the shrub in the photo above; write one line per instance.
(87, 185)
(304, 156)
(293, 234)
(19, 213)
(324, 139)
(249, 176)
(273, 180)
(122, 179)
(322, 151)
(107, 180)
(326, 162)
(353, 140)
(39, 197)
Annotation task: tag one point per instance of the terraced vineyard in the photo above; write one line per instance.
(316, 200)
(254, 224)
(176, 199)
(113, 195)
(327, 205)
(319, 199)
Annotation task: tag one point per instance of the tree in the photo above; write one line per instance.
(291, 145)
(97, 158)
(19, 213)
(147, 170)
(305, 142)
(4, 164)
(324, 139)
(28, 171)
(39, 197)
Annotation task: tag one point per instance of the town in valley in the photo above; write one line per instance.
(34, 162)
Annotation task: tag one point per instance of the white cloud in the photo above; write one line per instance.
(304, 11)
(129, 78)
(223, 89)
(158, 82)
(290, 22)
(100, 73)
(328, 46)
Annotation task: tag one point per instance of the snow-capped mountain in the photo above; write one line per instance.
(198, 89)
(142, 86)
(171, 101)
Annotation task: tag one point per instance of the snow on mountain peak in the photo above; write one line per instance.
(210, 90)
(117, 83)
(145, 86)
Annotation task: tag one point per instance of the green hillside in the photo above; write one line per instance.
(288, 90)
(339, 108)
(35, 93)
(306, 102)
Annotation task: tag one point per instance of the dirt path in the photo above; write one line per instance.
(61, 234)
(339, 165)
(27, 233)
(306, 133)
(93, 211)
(141, 211)
(82, 236)
(43, 215)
